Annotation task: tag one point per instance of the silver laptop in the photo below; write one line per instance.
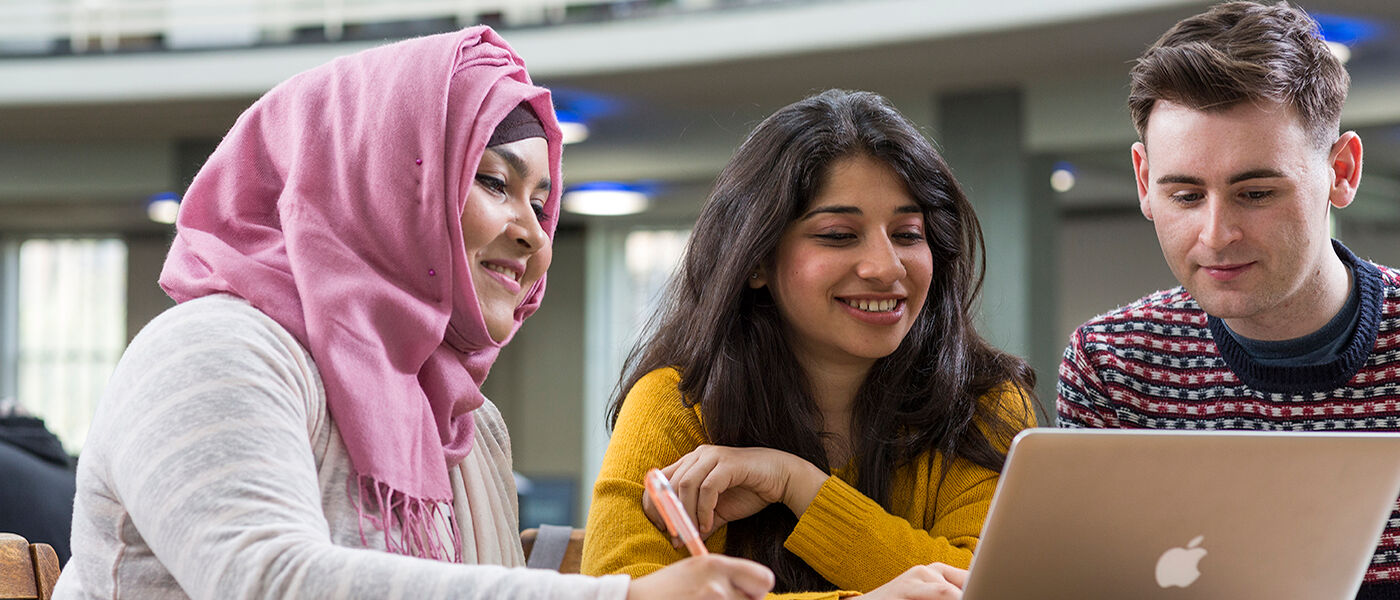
(1084, 514)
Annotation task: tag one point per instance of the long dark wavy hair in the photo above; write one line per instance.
(728, 340)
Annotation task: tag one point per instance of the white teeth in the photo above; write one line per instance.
(502, 270)
(873, 305)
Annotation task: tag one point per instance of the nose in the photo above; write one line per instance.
(529, 234)
(880, 262)
(1221, 224)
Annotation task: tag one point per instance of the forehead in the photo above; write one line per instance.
(860, 179)
(1248, 134)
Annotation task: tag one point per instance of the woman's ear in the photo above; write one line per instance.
(758, 278)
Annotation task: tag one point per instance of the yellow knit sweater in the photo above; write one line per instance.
(845, 536)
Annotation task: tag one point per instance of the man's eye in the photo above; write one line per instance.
(1259, 194)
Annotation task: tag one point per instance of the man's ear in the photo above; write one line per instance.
(1344, 160)
(1140, 173)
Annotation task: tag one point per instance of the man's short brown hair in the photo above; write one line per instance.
(1243, 51)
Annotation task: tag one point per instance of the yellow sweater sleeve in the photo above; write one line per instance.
(654, 429)
(856, 544)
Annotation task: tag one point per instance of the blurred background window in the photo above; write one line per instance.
(70, 328)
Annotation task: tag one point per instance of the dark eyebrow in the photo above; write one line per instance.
(841, 209)
(518, 165)
(1245, 176)
(1184, 179)
(1256, 174)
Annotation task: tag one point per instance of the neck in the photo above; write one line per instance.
(1324, 295)
(833, 386)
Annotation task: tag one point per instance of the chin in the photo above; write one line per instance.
(873, 353)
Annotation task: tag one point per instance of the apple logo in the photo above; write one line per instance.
(1177, 566)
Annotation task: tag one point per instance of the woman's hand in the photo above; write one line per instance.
(924, 582)
(719, 484)
(710, 577)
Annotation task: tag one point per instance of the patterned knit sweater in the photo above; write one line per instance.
(1162, 363)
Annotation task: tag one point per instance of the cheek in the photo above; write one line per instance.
(800, 275)
(539, 262)
(480, 224)
(1175, 231)
(920, 269)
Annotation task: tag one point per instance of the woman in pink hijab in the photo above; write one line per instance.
(308, 421)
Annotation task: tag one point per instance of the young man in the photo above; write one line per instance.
(1275, 325)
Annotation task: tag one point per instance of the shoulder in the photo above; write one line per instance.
(658, 389)
(1174, 305)
(217, 320)
(216, 345)
(656, 401)
(1006, 410)
(1169, 318)
(1011, 402)
(1390, 278)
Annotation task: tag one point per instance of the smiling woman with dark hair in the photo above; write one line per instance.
(813, 383)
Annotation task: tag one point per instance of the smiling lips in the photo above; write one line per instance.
(508, 274)
(1226, 272)
(877, 311)
(873, 305)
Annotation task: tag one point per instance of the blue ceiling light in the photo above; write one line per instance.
(1346, 30)
(574, 128)
(607, 198)
(1062, 177)
(587, 106)
(578, 109)
(1344, 33)
(163, 208)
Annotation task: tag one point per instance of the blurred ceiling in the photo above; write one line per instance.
(672, 96)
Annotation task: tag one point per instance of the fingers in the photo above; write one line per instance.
(711, 577)
(951, 573)
(927, 582)
(748, 578)
(715, 483)
(689, 474)
(652, 512)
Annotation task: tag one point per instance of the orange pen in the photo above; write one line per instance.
(673, 512)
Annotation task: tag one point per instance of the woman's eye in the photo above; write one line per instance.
(834, 236)
(495, 184)
(540, 215)
(910, 237)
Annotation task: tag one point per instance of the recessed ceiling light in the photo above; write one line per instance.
(574, 131)
(1062, 177)
(163, 208)
(605, 199)
(1340, 50)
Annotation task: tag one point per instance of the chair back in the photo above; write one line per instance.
(27, 571)
(559, 548)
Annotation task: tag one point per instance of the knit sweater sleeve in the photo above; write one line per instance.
(199, 480)
(654, 429)
(857, 544)
(1081, 399)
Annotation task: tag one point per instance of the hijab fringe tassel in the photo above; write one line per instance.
(410, 525)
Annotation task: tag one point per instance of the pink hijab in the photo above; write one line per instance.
(334, 206)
